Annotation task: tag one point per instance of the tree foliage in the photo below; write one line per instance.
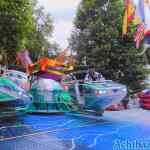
(98, 36)
(38, 40)
(16, 22)
(24, 24)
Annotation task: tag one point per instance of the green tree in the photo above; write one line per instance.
(98, 36)
(38, 40)
(16, 22)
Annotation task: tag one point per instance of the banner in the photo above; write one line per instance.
(138, 12)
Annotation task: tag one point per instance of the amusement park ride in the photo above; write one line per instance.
(49, 94)
(13, 99)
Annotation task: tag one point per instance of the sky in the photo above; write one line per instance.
(63, 13)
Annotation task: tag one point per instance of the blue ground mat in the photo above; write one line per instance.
(66, 132)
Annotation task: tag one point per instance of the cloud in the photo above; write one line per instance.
(59, 5)
(62, 32)
(63, 13)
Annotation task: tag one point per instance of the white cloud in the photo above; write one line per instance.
(59, 5)
(62, 32)
(63, 12)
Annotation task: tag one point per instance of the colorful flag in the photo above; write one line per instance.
(24, 58)
(139, 35)
(129, 15)
(147, 17)
(139, 12)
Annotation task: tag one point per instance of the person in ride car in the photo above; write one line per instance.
(92, 75)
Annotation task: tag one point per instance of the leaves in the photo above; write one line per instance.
(16, 22)
(23, 24)
(38, 43)
(98, 36)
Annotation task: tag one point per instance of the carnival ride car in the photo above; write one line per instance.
(79, 98)
(49, 96)
(116, 107)
(144, 98)
(144, 95)
(19, 77)
(13, 99)
(96, 96)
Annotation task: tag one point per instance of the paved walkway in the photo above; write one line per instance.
(120, 130)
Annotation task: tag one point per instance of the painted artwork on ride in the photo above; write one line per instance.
(13, 99)
(18, 77)
(49, 97)
(97, 96)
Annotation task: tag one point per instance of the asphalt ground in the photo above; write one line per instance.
(119, 130)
